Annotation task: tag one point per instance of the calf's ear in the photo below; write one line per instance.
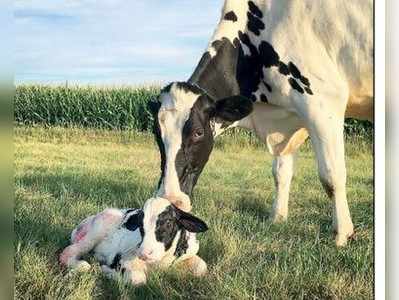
(233, 108)
(190, 222)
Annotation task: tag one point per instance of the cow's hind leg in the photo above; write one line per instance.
(326, 131)
(87, 236)
(283, 170)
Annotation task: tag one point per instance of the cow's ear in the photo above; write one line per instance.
(233, 108)
(153, 106)
(190, 222)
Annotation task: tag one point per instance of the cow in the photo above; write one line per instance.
(286, 70)
(129, 242)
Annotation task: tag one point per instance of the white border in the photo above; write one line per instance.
(379, 167)
(392, 134)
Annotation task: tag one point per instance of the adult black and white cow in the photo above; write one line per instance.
(284, 69)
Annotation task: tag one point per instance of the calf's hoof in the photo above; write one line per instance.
(138, 278)
(82, 266)
(195, 265)
(200, 269)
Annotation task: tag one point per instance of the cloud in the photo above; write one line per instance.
(111, 40)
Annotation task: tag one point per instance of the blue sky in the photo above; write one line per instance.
(111, 42)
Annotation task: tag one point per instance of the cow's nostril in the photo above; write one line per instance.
(145, 255)
(171, 198)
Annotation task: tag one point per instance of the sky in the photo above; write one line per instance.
(110, 42)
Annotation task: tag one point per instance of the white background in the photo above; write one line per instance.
(392, 150)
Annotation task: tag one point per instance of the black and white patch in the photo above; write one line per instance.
(263, 98)
(255, 24)
(232, 71)
(182, 244)
(254, 9)
(294, 84)
(283, 69)
(166, 227)
(171, 221)
(116, 262)
(134, 220)
(197, 139)
(231, 16)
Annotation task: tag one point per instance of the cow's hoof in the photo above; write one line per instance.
(341, 240)
(278, 218)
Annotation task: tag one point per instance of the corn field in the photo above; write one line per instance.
(122, 108)
(119, 108)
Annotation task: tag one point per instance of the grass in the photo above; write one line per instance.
(63, 175)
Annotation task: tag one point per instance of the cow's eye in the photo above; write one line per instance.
(197, 134)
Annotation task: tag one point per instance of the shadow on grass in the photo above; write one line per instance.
(103, 190)
(212, 249)
(252, 204)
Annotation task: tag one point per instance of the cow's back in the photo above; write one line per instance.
(345, 29)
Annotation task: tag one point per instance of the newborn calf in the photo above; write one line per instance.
(128, 242)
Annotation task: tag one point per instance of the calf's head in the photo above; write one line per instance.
(184, 114)
(162, 222)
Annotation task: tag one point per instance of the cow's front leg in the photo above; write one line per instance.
(328, 142)
(283, 170)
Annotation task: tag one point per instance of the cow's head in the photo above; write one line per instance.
(184, 114)
(162, 221)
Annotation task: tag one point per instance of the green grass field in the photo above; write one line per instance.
(63, 175)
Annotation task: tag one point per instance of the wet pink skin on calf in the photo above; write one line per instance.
(81, 233)
(88, 234)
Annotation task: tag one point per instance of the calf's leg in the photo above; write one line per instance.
(195, 264)
(88, 236)
(135, 271)
(132, 271)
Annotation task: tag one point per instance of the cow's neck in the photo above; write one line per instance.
(232, 65)
(217, 74)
